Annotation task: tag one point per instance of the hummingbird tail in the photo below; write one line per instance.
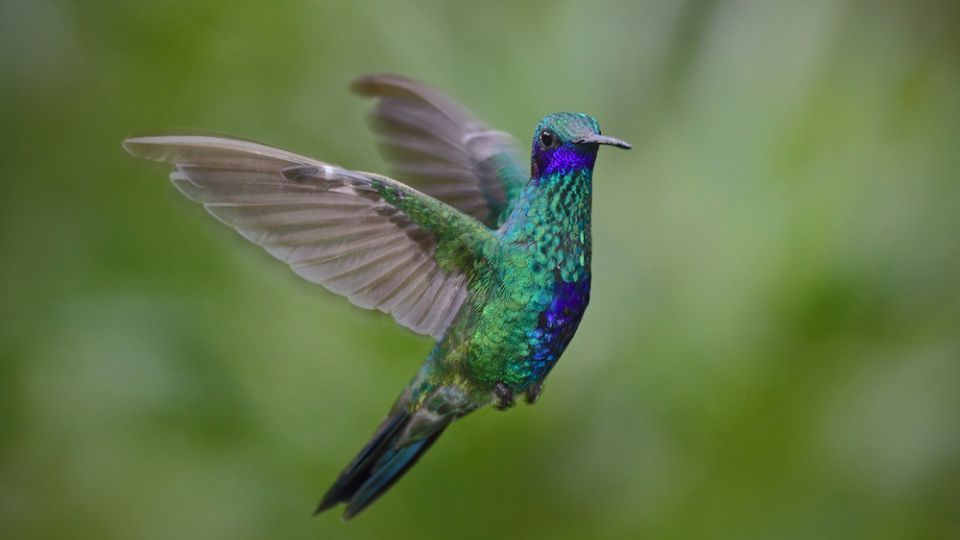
(379, 465)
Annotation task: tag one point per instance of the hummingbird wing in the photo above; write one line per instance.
(437, 145)
(380, 243)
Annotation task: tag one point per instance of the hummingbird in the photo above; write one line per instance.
(485, 255)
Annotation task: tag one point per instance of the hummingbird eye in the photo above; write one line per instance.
(547, 138)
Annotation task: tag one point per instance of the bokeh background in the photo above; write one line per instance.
(773, 346)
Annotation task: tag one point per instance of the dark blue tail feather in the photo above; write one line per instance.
(377, 467)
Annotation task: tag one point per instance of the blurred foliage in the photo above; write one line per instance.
(773, 348)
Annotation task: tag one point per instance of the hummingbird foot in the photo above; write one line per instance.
(503, 397)
(532, 393)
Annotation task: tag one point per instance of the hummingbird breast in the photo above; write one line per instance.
(527, 302)
(555, 328)
(519, 336)
(554, 227)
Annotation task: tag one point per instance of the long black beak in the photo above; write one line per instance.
(603, 139)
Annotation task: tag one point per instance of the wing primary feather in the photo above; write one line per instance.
(333, 226)
(434, 142)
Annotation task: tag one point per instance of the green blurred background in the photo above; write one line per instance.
(773, 346)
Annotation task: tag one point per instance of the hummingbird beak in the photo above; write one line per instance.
(603, 139)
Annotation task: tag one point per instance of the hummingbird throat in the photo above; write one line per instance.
(563, 160)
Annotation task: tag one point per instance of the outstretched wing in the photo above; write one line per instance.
(435, 144)
(367, 237)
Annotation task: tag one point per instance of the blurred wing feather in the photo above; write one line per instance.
(438, 146)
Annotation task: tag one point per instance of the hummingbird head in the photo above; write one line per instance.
(567, 141)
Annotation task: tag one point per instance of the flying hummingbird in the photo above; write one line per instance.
(488, 259)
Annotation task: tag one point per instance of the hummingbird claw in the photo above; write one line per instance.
(503, 397)
(532, 393)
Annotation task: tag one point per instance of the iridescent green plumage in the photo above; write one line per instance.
(490, 261)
